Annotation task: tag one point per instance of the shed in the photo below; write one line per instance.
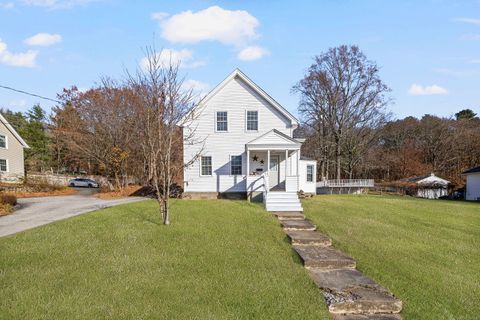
(473, 184)
(427, 186)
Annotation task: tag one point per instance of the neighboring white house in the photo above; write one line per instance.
(248, 147)
(429, 186)
(11, 153)
(473, 184)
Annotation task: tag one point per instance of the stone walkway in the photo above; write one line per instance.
(349, 294)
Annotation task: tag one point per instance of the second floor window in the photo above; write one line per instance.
(222, 121)
(252, 120)
(236, 165)
(3, 141)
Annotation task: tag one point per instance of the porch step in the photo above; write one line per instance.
(283, 201)
(348, 291)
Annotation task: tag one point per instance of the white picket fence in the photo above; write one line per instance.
(346, 183)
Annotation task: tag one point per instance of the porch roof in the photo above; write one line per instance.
(273, 140)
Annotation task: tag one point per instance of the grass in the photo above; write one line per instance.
(427, 252)
(217, 260)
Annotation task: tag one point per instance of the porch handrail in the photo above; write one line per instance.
(347, 183)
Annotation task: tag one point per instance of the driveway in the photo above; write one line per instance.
(34, 212)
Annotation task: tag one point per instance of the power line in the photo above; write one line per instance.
(30, 94)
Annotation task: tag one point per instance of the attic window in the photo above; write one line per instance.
(252, 120)
(3, 141)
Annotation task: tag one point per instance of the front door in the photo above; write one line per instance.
(274, 174)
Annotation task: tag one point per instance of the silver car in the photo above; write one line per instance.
(83, 182)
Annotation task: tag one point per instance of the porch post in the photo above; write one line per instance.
(268, 163)
(248, 162)
(298, 160)
(286, 164)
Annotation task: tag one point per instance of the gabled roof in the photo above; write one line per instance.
(273, 137)
(13, 131)
(472, 170)
(426, 179)
(239, 74)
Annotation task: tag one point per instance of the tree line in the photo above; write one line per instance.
(351, 134)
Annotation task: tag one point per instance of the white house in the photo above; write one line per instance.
(11, 153)
(429, 186)
(473, 184)
(245, 139)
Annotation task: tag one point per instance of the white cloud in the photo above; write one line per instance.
(43, 39)
(198, 87)
(468, 20)
(18, 103)
(159, 15)
(56, 4)
(7, 5)
(24, 59)
(211, 24)
(184, 58)
(471, 37)
(252, 53)
(419, 90)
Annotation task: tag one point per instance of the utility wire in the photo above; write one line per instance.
(30, 94)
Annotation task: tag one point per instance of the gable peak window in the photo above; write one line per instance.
(222, 121)
(3, 141)
(252, 120)
(236, 165)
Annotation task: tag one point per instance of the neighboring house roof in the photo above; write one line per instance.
(306, 158)
(237, 73)
(429, 179)
(472, 170)
(13, 131)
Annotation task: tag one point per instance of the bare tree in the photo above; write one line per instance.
(340, 93)
(164, 106)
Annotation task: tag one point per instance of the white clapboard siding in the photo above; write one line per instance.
(235, 97)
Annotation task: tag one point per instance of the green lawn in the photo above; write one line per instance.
(426, 251)
(217, 260)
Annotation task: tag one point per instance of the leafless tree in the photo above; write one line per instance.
(164, 107)
(342, 93)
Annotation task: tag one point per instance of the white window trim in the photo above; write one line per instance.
(230, 158)
(6, 141)
(6, 163)
(246, 120)
(313, 173)
(215, 121)
(211, 158)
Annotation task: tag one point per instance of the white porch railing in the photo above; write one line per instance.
(339, 183)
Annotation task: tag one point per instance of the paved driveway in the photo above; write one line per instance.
(34, 212)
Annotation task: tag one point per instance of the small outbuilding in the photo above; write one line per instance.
(472, 192)
(428, 186)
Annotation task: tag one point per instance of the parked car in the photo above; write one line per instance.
(83, 182)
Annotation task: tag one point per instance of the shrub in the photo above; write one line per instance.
(9, 199)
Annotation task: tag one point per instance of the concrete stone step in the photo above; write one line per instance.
(348, 291)
(312, 238)
(316, 257)
(289, 224)
(383, 316)
(284, 207)
(289, 215)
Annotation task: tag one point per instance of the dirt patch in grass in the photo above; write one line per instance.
(122, 193)
(61, 192)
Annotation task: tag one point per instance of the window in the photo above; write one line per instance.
(3, 165)
(3, 141)
(222, 121)
(252, 120)
(309, 173)
(236, 165)
(206, 166)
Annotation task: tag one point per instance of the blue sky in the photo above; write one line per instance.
(428, 51)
